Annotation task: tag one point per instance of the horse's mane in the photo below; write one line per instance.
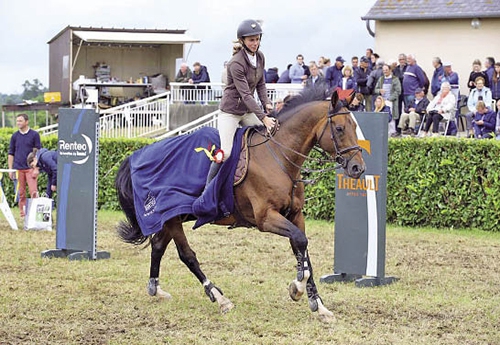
(307, 95)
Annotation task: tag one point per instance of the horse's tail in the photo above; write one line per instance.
(129, 230)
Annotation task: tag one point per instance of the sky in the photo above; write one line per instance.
(312, 28)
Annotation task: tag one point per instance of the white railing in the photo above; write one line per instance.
(150, 115)
(202, 93)
(48, 130)
(206, 93)
(136, 119)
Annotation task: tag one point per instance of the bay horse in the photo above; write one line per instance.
(271, 197)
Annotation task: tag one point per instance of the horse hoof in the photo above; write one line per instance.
(163, 295)
(294, 292)
(226, 305)
(327, 317)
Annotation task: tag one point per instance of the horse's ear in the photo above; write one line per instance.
(334, 98)
(351, 96)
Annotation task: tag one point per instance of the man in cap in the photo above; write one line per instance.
(415, 112)
(361, 75)
(334, 73)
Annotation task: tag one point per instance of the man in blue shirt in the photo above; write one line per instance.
(22, 143)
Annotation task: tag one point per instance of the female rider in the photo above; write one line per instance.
(245, 74)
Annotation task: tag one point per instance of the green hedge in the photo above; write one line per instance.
(443, 183)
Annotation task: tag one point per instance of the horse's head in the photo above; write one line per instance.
(338, 135)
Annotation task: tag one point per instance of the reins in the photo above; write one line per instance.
(339, 158)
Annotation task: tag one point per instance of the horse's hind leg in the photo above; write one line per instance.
(188, 257)
(159, 243)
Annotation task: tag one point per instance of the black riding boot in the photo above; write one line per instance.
(214, 169)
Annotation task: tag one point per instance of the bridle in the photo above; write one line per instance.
(339, 156)
(342, 162)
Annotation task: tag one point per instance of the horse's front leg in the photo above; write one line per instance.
(304, 281)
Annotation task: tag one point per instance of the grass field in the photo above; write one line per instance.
(448, 293)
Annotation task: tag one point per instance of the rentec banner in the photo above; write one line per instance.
(77, 180)
(360, 204)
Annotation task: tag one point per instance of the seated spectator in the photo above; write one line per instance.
(416, 111)
(380, 107)
(475, 73)
(46, 161)
(272, 75)
(484, 121)
(357, 103)
(441, 107)
(285, 76)
(347, 81)
(315, 80)
(480, 93)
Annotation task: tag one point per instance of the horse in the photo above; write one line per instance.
(271, 196)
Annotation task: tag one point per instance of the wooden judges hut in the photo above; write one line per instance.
(121, 57)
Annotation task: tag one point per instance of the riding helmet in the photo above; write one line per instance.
(249, 27)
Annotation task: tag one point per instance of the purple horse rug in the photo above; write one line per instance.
(168, 178)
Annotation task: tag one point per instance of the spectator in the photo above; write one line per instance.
(452, 77)
(321, 64)
(361, 77)
(374, 76)
(476, 72)
(441, 107)
(437, 76)
(285, 76)
(488, 64)
(416, 111)
(357, 103)
(334, 73)
(389, 88)
(368, 54)
(315, 80)
(484, 121)
(380, 107)
(347, 81)
(497, 131)
(223, 77)
(297, 72)
(46, 161)
(374, 59)
(21, 144)
(200, 74)
(495, 83)
(413, 78)
(184, 74)
(480, 93)
(326, 65)
(399, 72)
(272, 75)
(354, 63)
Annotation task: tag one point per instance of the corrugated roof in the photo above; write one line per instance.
(134, 37)
(150, 36)
(433, 9)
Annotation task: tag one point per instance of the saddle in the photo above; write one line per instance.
(242, 167)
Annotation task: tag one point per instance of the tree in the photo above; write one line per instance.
(33, 91)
